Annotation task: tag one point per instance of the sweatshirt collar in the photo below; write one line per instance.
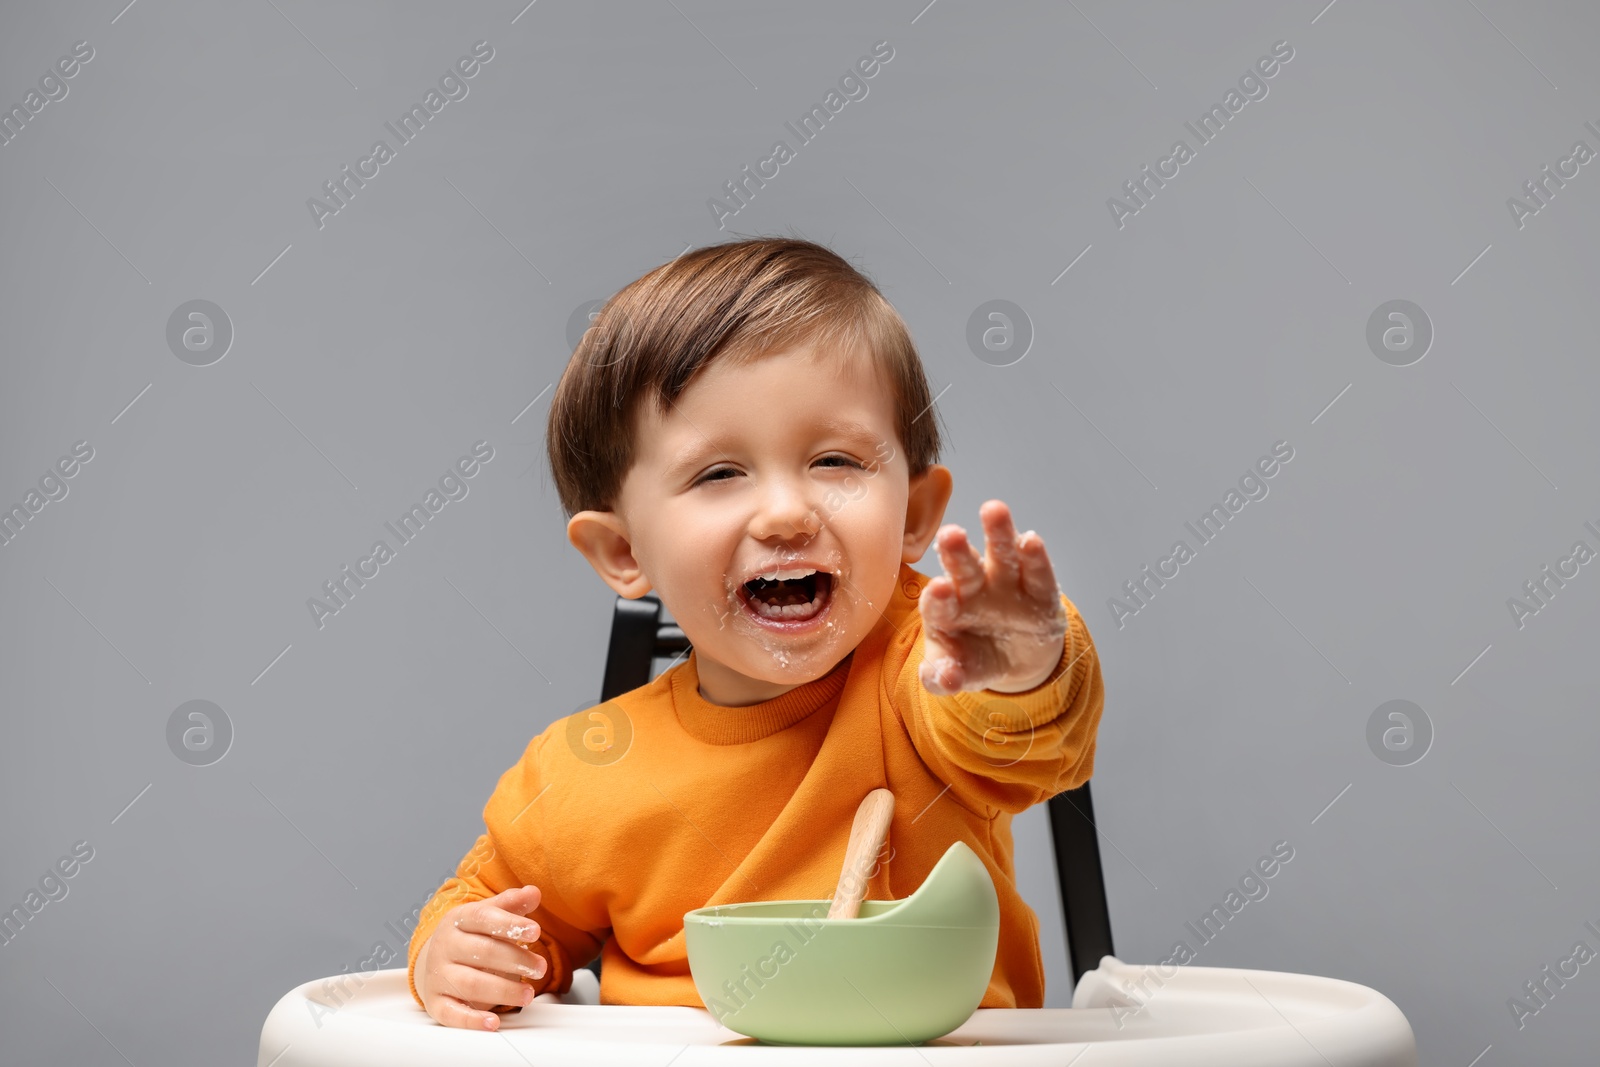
(718, 725)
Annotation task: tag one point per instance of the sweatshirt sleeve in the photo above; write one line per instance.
(510, 853)
(1008, 751)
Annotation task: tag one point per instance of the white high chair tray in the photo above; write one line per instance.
(1199, 1017)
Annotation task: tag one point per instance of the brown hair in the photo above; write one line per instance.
(736, 300)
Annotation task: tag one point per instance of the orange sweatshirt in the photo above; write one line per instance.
(719, 805)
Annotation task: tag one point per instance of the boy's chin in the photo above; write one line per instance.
(796, 667)
(780, 664)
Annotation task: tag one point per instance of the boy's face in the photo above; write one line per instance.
(789, 463)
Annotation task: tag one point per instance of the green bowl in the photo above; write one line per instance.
(903, 972)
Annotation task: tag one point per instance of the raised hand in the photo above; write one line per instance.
(994, 621)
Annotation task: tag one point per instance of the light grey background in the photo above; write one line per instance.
(1228, 314)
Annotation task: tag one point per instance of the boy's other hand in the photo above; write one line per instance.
(473, 963)
(995, 621)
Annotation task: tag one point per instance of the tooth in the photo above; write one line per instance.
(773, 576)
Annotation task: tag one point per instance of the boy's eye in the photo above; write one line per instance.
(712, 475)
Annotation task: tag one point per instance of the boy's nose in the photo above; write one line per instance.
(786, 511)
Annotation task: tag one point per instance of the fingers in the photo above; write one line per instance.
(508, 922)
(511, 959)
(1039, 584)
(1038, 576)
(970, 571)
(521, 900)
(960, 560)
(942, 676)
(499, 940)
(1000, 541)
(451, 1011)
(464, 989)
(1021, 560)
(940, 605)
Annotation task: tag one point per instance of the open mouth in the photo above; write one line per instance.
(788, 600)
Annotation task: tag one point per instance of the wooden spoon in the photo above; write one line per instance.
(867, 835)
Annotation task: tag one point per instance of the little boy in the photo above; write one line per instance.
(747, 432)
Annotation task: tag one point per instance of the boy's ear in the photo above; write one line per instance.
(929, 495)
(603, 540)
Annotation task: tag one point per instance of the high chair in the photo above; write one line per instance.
(1136, 1014)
